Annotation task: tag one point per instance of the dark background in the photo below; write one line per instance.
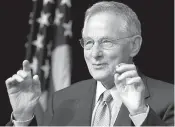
(155, 58)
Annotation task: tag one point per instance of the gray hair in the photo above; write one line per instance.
(133, 25)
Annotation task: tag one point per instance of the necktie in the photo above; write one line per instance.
(103, 114)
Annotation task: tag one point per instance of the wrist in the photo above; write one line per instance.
(22, 116)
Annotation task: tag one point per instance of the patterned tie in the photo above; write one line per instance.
(102, 115)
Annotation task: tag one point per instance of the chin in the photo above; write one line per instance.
(99, 76)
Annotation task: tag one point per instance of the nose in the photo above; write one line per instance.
(96, 51)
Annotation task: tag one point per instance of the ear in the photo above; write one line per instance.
(135, 45)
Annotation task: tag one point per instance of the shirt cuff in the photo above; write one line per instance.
(139, 118)
(20, 123)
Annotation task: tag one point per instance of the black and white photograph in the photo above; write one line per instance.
(87, 63)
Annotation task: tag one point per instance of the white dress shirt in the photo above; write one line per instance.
(115, 106)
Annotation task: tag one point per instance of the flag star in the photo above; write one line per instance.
(68, 29)
(67, 2)
(30, 21)
(31, 14)
(34, 65)
(26, 44)
(43, 20)
(49, 46)
(58, 16)
(46, 69)
(31, 17)
(47, 1)
(39, 42)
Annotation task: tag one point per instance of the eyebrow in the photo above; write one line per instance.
(105, 37)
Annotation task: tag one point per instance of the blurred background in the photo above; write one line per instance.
(23, 27)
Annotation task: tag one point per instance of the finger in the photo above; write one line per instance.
(136, 83)
(37, 84)
(125, 67)
(128, 74)
(133, 80)
(13, 81)
(22, 73)
(17, 78)
(8, 82)
(117, 82)
(36, 80)
(116, 78)
(26, 66)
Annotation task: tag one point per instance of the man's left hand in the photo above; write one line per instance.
(130, 87)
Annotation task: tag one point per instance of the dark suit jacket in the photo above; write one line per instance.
(73, 106)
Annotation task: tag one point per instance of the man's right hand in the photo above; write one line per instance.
(24, 92)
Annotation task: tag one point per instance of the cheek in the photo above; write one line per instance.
(124, 54)
(113, 60)
(120, 55)
(86, 56)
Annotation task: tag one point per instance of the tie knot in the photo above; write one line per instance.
(107, 96)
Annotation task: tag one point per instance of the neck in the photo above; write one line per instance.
(130, 61)
(108, 84)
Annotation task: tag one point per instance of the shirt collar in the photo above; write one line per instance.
(100, 89)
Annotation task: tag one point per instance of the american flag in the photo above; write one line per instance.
(48, 47)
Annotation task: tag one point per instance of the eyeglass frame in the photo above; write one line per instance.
(100, 41)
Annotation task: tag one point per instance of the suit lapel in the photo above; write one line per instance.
(84, 107)
(144, 79)
(123, 116)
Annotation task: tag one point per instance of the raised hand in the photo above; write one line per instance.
(24, 92)
(130, 87)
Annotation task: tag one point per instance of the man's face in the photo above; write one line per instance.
(102, 62)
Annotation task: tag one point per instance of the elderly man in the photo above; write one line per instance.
(117, 95)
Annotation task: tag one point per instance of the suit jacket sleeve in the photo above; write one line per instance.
(32, 123)
(167, 119)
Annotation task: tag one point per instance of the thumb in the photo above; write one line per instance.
(26, 66)
(36, 80)
(36, 83)
(116, 81)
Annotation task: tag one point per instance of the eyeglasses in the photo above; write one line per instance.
(104, 43)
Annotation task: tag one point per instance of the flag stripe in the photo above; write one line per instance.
(48, 48)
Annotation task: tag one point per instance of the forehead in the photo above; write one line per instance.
(105, 24)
